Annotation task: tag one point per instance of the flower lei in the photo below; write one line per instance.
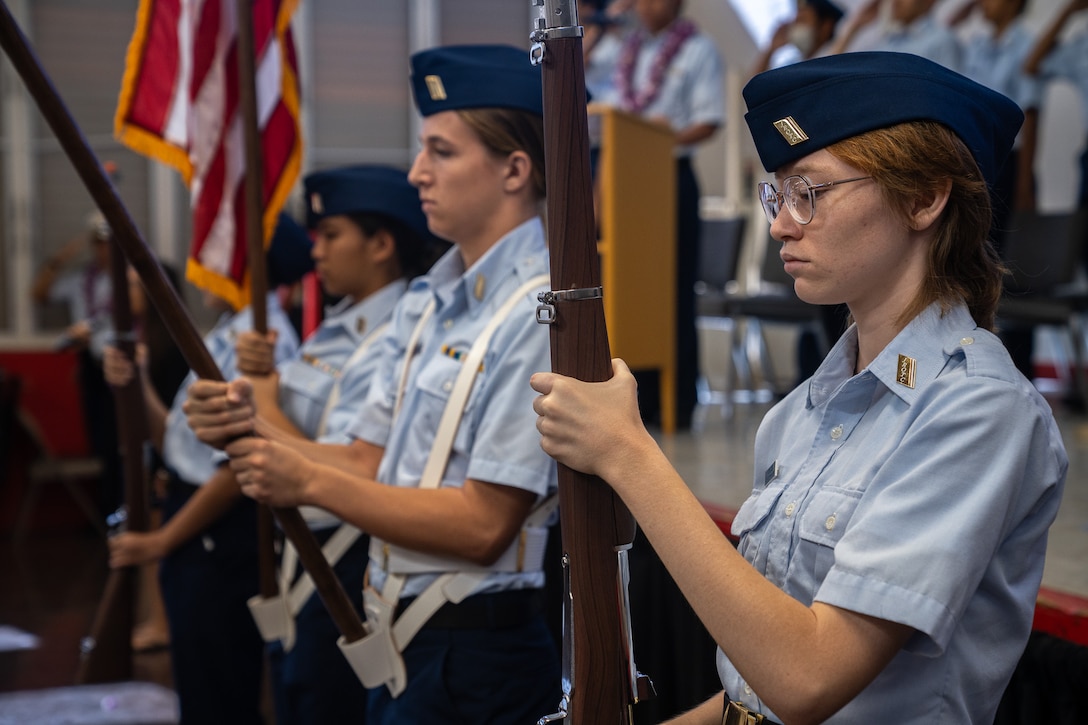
(676, 36)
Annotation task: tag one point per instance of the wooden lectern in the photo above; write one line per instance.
(636, 214)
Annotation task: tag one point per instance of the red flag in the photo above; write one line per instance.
(180, 104)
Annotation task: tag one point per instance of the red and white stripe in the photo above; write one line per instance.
(180, 104)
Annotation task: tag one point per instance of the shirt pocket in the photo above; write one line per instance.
(750, 517)
(435, 383)
(304, 393)
(823, 523)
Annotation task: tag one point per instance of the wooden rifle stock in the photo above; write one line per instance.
(162, 295)
(596, 523)
(106, 654)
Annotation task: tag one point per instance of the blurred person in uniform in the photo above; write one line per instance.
(604, 23)
(370, 239)
(669, 72)
(892, 548)
(87, 292)
(911, 27)
(207, 544)
(805, 36)
(446, 504)
(165, 369)
(1062, 55)
(995, 58)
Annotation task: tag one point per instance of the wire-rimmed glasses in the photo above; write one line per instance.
(798, 195)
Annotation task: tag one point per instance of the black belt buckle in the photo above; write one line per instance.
(738, 714)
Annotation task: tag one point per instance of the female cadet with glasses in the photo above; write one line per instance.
(893, 544)
(449, 477)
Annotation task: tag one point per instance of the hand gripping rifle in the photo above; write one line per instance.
(600, 681)
(106, 654)
(162, 295)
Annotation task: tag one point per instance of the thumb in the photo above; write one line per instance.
(620, 369)
(542, 382)
(239, 390)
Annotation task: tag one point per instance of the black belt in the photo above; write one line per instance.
(501, 610)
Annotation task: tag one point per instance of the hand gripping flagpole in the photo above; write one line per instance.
(600, 682)
(162, 295)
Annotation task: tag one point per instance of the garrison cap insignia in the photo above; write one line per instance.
(315, 203)
(435, 87)
(480, 288)
(791, 131)
(904, 371)
(360, 325)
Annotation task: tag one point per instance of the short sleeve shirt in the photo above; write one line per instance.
(497, 441)
(88, 293)
(998, 64)
(926, 504)
(927, 38)
(691, 91)
(193, 461)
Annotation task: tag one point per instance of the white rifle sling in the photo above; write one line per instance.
(375, 658)
(388, 638)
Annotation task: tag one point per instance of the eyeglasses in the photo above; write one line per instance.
(798, 194)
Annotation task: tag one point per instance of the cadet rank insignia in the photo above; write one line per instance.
(904, 371)
(791, 131)
(435, 88)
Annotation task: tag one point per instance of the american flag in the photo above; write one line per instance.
(180, 104)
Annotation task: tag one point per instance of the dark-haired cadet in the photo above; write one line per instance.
(370, 239)
(893, 545)
(449, 479)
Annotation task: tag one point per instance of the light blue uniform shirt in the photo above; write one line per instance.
(925, 37)
(88, 292)
(193, 461)
(925, 505)
(307, 379)
(998, 64)
(691, 91)
(497, 440)
(1069, 61)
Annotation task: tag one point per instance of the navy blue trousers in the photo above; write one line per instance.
(216, 652)
(313, 683)
(474, 677)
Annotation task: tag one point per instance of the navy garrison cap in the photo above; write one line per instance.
(801, 108)
(476, 76)
(367, 189)
(288, 255)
